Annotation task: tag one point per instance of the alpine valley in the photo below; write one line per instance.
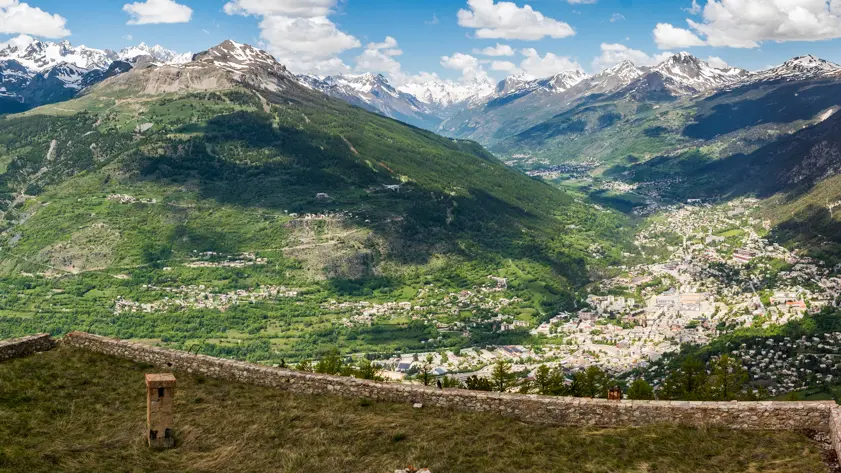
(638, 223)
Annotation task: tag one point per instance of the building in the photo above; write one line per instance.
(160, 397)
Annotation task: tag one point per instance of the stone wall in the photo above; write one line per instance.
(18, 347)
(529, 408)
(835, 429)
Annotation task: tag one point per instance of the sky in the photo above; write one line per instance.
(462, 40)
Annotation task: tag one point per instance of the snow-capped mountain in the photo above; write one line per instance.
(514, 84)
(248, 64)
(445, 94)
(41, 55)
(374, 93)
(157, 53)
(523, 83)
(563, 81)
(616, 77)
(799, 68)
(40, 72)
(685, 74)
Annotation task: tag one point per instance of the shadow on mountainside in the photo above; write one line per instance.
(242, 159)
(792, 165)
(766, 103)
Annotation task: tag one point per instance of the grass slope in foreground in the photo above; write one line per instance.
(75, 411)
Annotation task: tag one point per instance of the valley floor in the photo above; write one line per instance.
(74, 411)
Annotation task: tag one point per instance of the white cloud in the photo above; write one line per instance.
(389, 47)
(294, 8)
(468, 66)
(308, 44)
(667, 37)
(496, 51)
(433, 21)
(379, 58)
(580, 2)
(153, 12)
(616, 17)
(506, 66)
(20, 18)
(717, 62)
(507, 20)
(300, 35)
(614, 53)
(695, 9)
(748, 23)
(547, 65)
(19, 42)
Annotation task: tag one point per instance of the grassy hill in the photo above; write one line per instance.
(149, 190)
(75, 411)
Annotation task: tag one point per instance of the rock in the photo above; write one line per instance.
(417, 405)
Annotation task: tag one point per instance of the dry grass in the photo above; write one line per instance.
(74, 411)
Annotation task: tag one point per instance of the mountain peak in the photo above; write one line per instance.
(237, 56)
(810, 62)
(797, 68)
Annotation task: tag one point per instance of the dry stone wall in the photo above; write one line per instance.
(18, 347)
(530, 408)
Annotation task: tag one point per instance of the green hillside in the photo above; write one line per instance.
(74, 411)
(184, 201)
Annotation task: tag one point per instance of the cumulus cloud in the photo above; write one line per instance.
(505, 66)
(300, 35)
(19, 42)
(507, 20)
(495, 51)
(615, 53)
(532, 63)
(616, 17)
(747, 23)
(466, 64)
(294, 8)
(22, 19)
(544, 66)
(717, 62)
(667, 36)
(153, 12)
(309, 44)
(379, 58)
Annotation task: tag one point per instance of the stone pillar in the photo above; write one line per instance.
(614, 394)
(160, 397)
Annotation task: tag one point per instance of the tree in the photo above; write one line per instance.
(368, 370)
(501, 377)
(305, 365)
(425, 374)
(448, 382)
(687, 382)
(542, 378)
(640, 390)
(549, 382)
(476, 383)
(592, 382)
(331, 363)
(729, 380)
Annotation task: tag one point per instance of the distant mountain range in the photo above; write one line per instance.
(45, 72)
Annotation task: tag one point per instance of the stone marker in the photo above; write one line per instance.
(160, 397)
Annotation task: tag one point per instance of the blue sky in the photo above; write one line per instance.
(410, 39)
